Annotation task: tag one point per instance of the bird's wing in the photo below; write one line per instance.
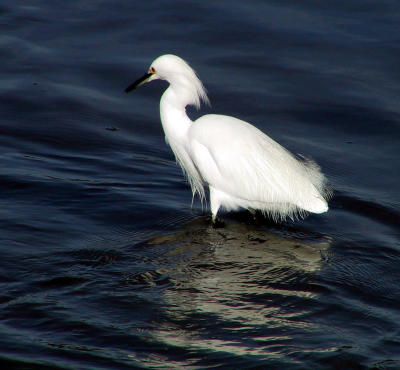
(238, 159)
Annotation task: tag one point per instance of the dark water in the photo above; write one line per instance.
(104, 264)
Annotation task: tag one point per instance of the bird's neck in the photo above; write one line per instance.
(174, 119)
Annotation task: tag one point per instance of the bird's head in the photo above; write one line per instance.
(178, 73)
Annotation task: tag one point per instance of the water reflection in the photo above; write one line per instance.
(239, 289)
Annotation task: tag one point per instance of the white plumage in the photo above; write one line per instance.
(242, 166)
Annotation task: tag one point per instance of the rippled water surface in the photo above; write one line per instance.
(105, 264)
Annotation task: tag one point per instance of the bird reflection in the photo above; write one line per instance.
(235, 283)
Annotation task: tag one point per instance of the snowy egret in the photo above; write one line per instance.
(242, 167)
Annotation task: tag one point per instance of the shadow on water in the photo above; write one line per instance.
(236, 293)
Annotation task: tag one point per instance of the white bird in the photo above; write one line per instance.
(242, 167)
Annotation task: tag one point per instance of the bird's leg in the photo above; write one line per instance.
(214, 205)
(217, 222)
(257, 216)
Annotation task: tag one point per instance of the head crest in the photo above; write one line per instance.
(180, 75)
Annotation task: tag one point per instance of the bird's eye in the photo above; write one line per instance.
(152, 70)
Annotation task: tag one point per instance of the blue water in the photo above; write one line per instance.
(105, 264)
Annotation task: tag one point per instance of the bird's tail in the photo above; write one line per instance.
(315, 204)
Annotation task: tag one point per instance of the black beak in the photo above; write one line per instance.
(138, 82)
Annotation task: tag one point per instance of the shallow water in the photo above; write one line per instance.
(104, 263)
